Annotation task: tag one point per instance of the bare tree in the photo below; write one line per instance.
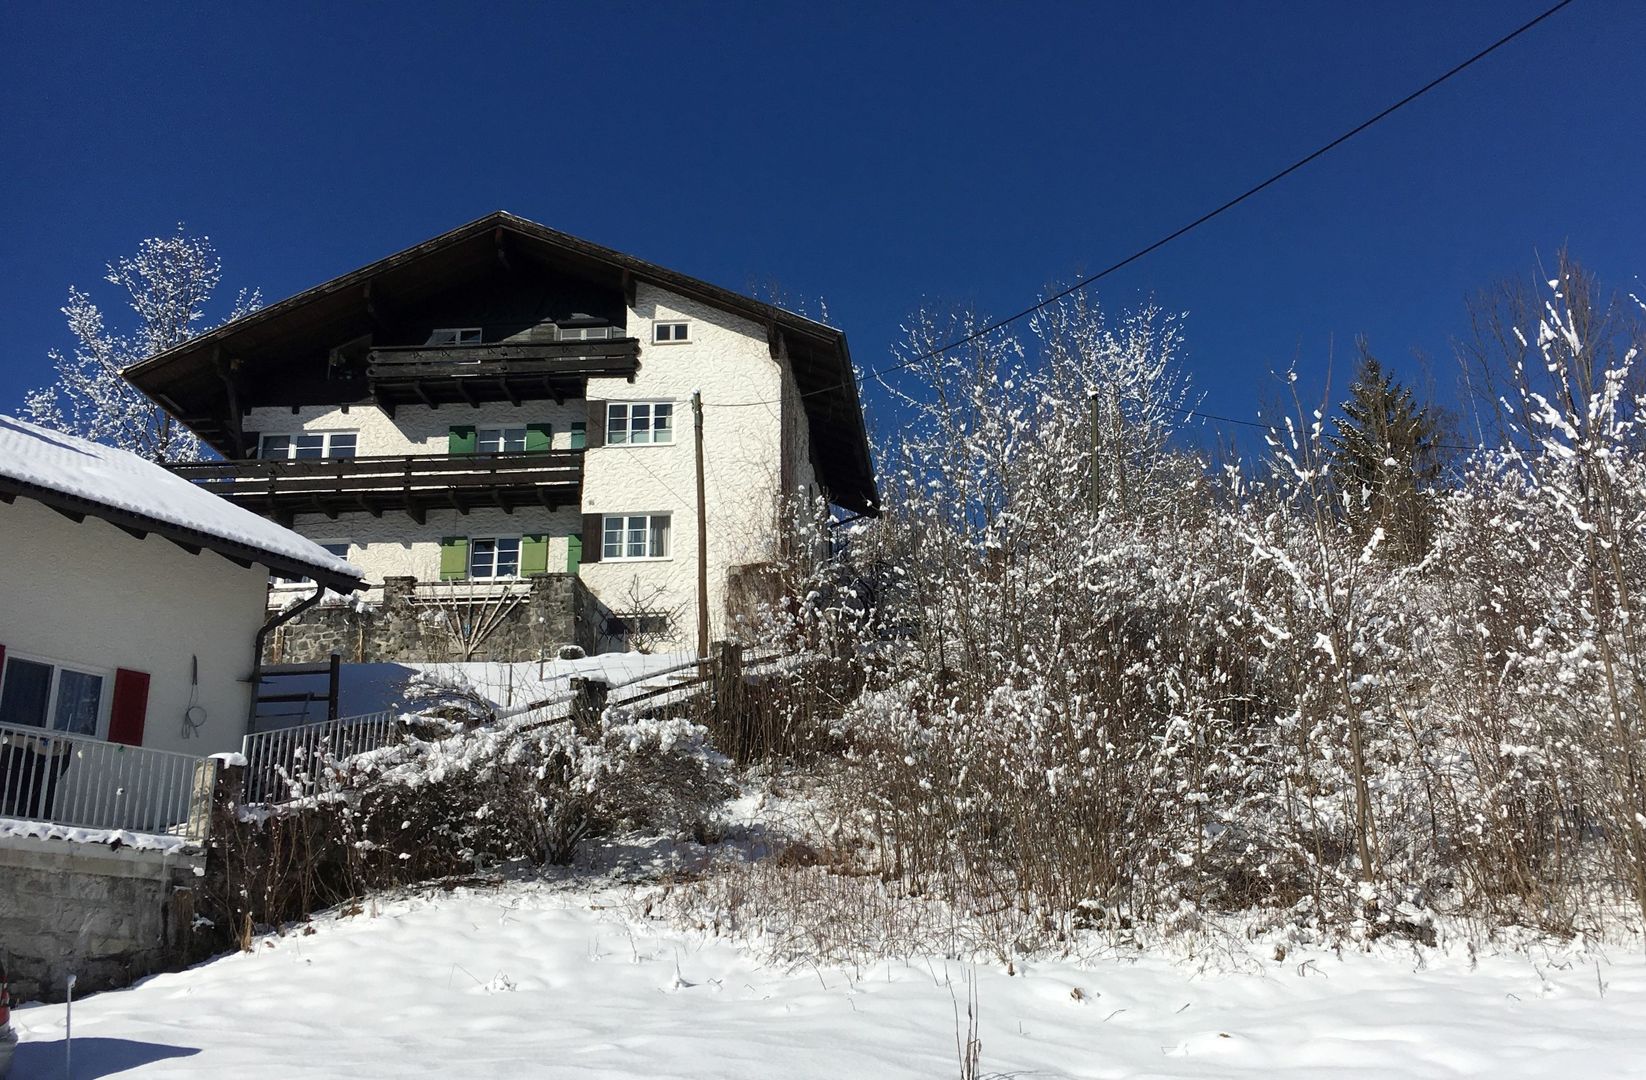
(644, 620)
(169, 282)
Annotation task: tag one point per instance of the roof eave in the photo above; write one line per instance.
(134, 522)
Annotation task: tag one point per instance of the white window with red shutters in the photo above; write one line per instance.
(71, 698)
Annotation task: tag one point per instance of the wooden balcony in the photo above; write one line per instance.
(413, 484)
(436, 375)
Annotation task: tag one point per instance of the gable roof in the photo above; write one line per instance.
(87, 479)
(817, 353)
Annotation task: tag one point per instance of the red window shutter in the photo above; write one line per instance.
(131, 707)
(2, 656)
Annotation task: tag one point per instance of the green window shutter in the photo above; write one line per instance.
(574, 553)
(534, 554)
(580, 434)
(454, 557)
(539, 436)
(461, 439)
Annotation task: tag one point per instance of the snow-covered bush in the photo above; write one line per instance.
(1113, 684)
(454, 799)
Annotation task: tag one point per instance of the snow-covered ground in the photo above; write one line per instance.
(539, 980)
(46, 830)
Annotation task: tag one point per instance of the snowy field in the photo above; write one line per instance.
(535, 980)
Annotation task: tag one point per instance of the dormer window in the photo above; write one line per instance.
(669, 333)
(585, 327)
(454, 335)
(584, 333)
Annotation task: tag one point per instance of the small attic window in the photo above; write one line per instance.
(581, 327)
(668, 332)
(455, 335)
(585, 333)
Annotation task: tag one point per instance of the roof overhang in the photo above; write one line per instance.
(78, 508)
(818, 353)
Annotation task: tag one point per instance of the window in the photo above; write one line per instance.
(494, 557)
(668, 333)
(340, 548)
(309, 445)
(638, 624)
(500, 440)
(585, 333)
(639, 422)
(456, 335)
(635, 536)
(34, 693)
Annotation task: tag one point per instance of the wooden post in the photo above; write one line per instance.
(726, 682)
(229, 372)
(334, 676)
(227, 794)
(702, 532)
(588, 703)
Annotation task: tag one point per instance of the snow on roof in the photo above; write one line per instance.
(119, 480)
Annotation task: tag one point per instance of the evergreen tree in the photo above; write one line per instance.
(1384, 456)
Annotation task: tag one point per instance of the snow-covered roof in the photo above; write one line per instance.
(85, 477)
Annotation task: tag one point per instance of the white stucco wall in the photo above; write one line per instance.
(395, 545)
(92, 596)
(414, 429)
(728, 360)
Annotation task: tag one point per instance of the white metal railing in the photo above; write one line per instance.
(285, 762)
(89, 783)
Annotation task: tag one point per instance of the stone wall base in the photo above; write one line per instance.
(107, 916)
(437, 623)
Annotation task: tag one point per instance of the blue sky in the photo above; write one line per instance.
(876, 156)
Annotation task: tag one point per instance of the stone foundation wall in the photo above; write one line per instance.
(556, 610)
(109, 917)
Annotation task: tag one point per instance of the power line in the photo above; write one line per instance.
(642, 463)
(1215, 418)
(991, 327)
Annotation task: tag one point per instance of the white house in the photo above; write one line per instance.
(133, 602)
(506, 410)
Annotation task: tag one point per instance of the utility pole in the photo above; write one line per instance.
(702, 532)
(1097, 442)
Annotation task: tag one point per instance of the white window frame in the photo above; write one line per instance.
(457, 332)
(623, 530)
(586, 333)
(291, 445)
(628, 429)
(683, 325)
(502, 432)
(494, 575)
(105, 698)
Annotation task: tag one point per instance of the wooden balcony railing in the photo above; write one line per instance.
(436, 375)
(413, 484)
